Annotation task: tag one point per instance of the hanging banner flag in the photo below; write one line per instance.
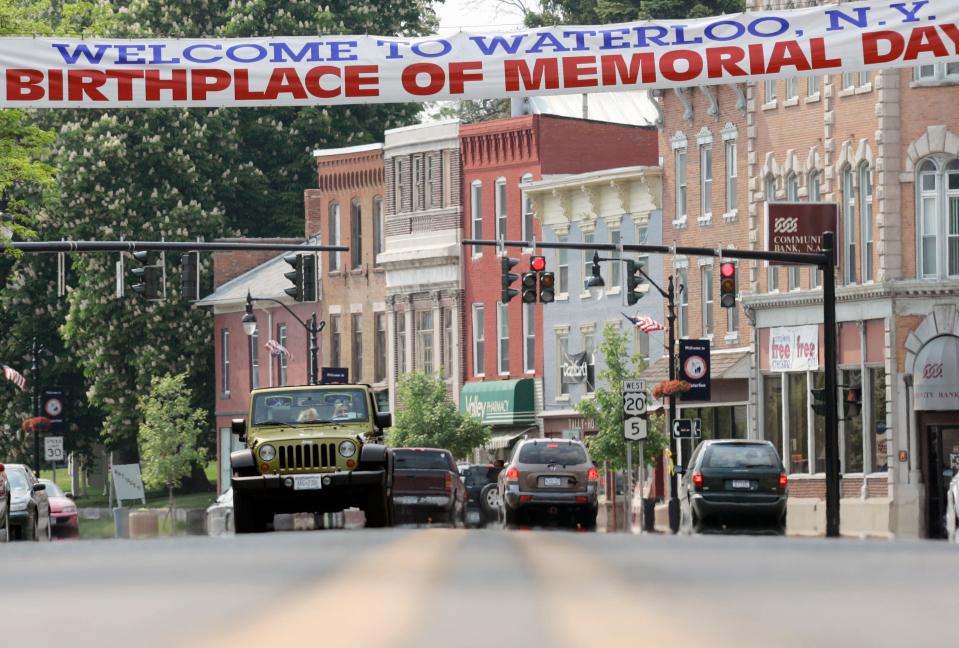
(299, 71)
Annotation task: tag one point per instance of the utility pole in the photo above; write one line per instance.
(35, 395)
(832, 406)
(673, 443)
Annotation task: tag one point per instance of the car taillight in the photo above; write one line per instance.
(512, 475)
(449, 482)
(783, 480)
(592, 474)
(698, 479)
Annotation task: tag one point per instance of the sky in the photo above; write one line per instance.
(476, 15)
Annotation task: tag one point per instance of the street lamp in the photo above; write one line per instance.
(595, 284)
(312, 330)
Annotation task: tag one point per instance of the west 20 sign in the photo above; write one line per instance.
(299, 71)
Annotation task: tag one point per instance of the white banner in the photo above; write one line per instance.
(293, 71)
(794, 348)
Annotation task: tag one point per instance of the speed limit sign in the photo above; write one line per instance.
(53, 449)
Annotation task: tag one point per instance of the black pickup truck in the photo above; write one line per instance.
(427, 487)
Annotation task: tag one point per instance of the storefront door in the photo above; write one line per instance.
(943, 464)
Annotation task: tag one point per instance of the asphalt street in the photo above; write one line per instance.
(432, 587)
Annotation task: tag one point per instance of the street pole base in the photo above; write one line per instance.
(674, 514)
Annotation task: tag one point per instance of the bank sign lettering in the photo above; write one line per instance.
(794, 348)
(797, 227)
(52, 72)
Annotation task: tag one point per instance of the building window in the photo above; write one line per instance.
(283, 359)
(335, 341)
(798, 416)
(681, 184)
(424, 341)
(401, 367)
(772, 272)
(615, 266)
(852, 427)
(398, 185)
(876, 444)
(527, 210)
(562, 357)
(772, 399)
(769, 90)
(812, 85)
(706, 281)
(225, 362)
(641, 343)
(588, 345)
(706, 180)
(254, 360)
(848, 80)
(356, 353)
(529, 338)
(562, 267)
(334, 228)
(587, 258)
(792, 88)
(731, 176)
(356, 233)
(479, 340)
(377, 229)
(447, 342)
(379, 347)
(502, 327)
(849, 223)
(682, 280)
(642, 237)
(417, 188)
(814, 186)
(732, 320)
(865, 225)
(430, 182)
(476, 209)
(937, 72)
(792, 195)
(500, 204)
(938, 187)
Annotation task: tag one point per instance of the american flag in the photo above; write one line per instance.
(15, 377)
(277, 349)
(645, 323)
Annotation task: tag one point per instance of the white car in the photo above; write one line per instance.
(219, 515)
(952, 510)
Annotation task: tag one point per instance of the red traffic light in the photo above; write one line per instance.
(537, 263)
(727, 269)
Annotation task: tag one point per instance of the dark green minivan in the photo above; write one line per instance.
(732, 484)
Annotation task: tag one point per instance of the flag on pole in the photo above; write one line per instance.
(15, 377)
(276, 349)
(645, 323)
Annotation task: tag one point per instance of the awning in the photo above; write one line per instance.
(503, 441)
(936, 374)
(500, 402)
(725, 366)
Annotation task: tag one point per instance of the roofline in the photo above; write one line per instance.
(492, 124)
(346, 150)
(432, 124)
(601, 175)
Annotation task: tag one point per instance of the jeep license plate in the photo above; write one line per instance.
(307, 482)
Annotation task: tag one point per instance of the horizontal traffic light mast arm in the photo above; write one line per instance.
(725, 253)
(185, 246)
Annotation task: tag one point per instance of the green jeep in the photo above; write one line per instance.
(311, 449)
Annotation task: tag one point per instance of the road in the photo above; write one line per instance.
(432, 587)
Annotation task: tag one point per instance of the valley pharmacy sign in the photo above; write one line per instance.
(325, 70)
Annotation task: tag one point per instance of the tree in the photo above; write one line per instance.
(591, 12)
(429, 419)
(169, 434)
(605, 408)
(471, 111)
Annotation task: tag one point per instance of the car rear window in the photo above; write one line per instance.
(421, 460)
(479, 475)
(546, 453)
(751, 455)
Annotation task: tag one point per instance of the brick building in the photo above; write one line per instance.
(347, 209)
(884, 147)
(504, 357)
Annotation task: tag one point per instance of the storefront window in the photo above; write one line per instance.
(798, 423)
(772, 412)
(877, 419)
(819, 426)
(852, 426)
(724, 422)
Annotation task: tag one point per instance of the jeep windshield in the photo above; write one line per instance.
(305, 406)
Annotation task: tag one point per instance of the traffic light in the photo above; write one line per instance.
(190, 276)
(537, 263)
(508, 278)
(852, 401)
(547, 284)
(295, 261)
(634, 282)
(727, 285)
(819, 400)
(309, 277)
(147, 274)
(530, 280)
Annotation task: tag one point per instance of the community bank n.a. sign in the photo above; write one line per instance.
(293, 71)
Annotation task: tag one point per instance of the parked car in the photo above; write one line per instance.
(427, 487)
(29, 506)
(4, 505)
(482, 493)
(219, 515)
(63, 511)
(552, 478)
(952, 510)
(732, 484)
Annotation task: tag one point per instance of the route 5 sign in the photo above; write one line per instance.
(53, 448)
(634, 428)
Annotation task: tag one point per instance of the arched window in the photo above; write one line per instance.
(792, 188)
(526, 208)
(356, 233)
(938, 223)
(865, 219)
(814, 186)
(334, 235)
(772, 272)
(849, 225)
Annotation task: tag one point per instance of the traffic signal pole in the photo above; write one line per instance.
(824, 260)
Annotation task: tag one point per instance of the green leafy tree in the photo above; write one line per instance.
(479, 110)
(169, 434)
(429, 419)
(591, 12)
(605, 409)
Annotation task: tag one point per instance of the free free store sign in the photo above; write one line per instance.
(794, 348)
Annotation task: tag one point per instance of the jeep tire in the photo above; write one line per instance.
(246, 517)
(377, 509)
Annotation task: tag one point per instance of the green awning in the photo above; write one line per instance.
(500, 402)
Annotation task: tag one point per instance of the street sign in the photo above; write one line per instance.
(335, 376)
(687, 428)
(53, 449)
(634, 428)
(694, 369)
(634, 397)
(52, 402)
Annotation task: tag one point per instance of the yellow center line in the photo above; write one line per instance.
(372, 603)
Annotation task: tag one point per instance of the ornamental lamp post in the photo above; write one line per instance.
(311, 326)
